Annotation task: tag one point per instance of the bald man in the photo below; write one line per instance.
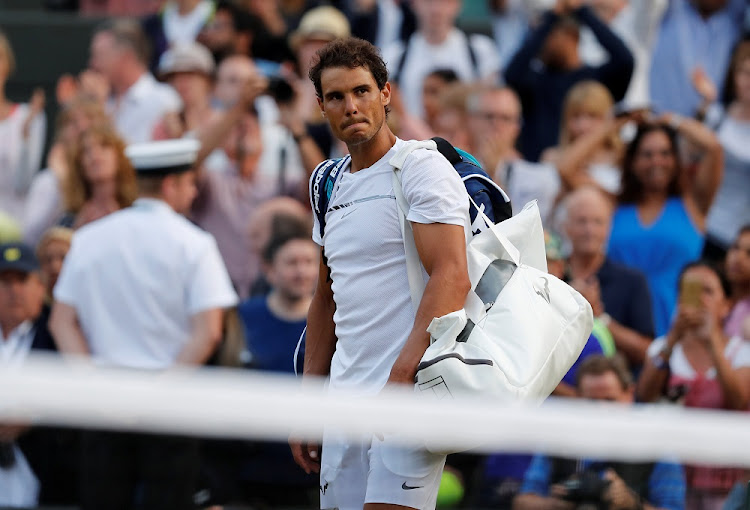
(618, 294)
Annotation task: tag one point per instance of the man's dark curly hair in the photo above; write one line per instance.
(349, 52)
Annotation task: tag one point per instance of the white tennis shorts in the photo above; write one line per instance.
(378, 471)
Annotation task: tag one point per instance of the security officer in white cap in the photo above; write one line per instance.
(143, 288)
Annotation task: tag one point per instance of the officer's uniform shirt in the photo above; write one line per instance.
(136, 277)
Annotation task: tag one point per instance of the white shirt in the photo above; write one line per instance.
(136, 277)
(737, 351)
(16, 346)
(180, 29)
(423, 58)
(365, 252)
(142, 107)
(525, 181)
(19, 158)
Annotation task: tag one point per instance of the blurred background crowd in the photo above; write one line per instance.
(627, 120)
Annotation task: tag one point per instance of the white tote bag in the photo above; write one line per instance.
(521, 328)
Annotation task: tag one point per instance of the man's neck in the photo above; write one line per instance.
(129, 79)
(368, 153)
(286, 307)
(185, 7)
(585, 265)
(436, 35)
(7, 327)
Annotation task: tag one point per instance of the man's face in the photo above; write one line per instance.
(104, 55)
(193, 88)
(353, 103)
(244, 144)
(587, 224)
(233, 72)
(558, 48)
(497, 117)
(605, 387)
(436, 13)
(294, 269)
(21, 297)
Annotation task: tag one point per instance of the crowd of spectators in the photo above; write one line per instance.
(627, 120)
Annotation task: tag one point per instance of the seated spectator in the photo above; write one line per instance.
(438, 43)
(44, 204)
(178, 22)
(542, 88)
(590, 150)
(23, 328)
(660, 221)
(22, 129)
(738, 274)
(698, 363)
(189, 69)
(494, 125)
(731, 209)
(231, 31)
(101, 180)
(450, 123)
(135, 100)
(693, 35)
(432, 87)
(618, 294)
(613, 485)
(261, 227)
(51, 251)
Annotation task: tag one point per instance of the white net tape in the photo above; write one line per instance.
(246, 404)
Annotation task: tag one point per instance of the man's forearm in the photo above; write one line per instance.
(445, 293)
(206, 336)
(66, 332)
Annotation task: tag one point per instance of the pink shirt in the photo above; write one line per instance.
(737, 316)
(224, 206)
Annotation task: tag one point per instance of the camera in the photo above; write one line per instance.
(278, 87)
(586, 488)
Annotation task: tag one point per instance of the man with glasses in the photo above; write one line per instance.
(494, 127)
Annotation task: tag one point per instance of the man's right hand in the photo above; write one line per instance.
(306, 455)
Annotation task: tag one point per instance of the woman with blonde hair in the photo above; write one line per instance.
(590, 148)
(101, 179)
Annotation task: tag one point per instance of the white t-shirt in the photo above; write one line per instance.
(365, 251)
(142, 107)
(180, 29)
(136, 277)
(737, 352)
(423, 58)
(19, 158)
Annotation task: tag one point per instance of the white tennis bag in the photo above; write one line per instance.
(521, 328)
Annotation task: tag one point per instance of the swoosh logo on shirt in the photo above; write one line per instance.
(409, 487)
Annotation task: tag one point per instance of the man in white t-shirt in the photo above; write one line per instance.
(363, 331)
(438, 44)
(137, 102)
(143, 288)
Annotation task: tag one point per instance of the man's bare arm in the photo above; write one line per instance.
(206, 327)
(63, 324)
(442, 250)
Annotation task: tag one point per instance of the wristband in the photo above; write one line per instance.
(298, 138)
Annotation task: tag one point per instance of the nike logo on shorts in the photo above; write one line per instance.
(409, 487)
